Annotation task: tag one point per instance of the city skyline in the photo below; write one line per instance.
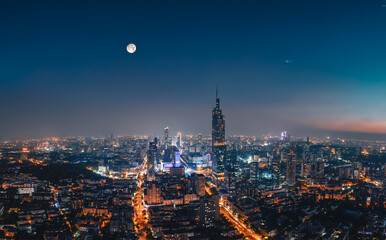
(313, 68)
(192, 120)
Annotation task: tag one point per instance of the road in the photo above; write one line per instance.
(227, 212)
(241, 227)
(140, 212)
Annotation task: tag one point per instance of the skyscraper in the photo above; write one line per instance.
(306, 152)
(285, 136)
(306, 165)
(167, 139)
(166, 133)
(151, 159)
(384, 177)
(230, 180)
(291, 166)
(254, 172)
(179, 140)
(218, 142)
(150, 166)
(153, 146)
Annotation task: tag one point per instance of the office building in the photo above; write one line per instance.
(151, 159)
(167, 139)
(291, 166)
(198, 184)
(177, 158)
(209, 210)
(230, 180)
(179, 140)
(153, 193)
(254, 172)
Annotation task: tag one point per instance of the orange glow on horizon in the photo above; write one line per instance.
(365, 126)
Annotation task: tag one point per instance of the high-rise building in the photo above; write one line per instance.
(198, 184)
(230, 180)
(24, 154)
(200, 138)
(306, 162)
(384, 177)
(167, 139)
(218, 124)
(345, 172)
(166, 133)
(150, 166)
(151, 159)
(317, 170)
(177, 158)
(218, 142)
(306, 169)
(285, 136)
(209, 210)
(254, 172)
(153, 193)
(306, 152)
(153, 146)
(170, 155)
(179, 140)
(291, 166)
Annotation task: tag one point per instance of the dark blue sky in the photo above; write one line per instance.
(64, 70)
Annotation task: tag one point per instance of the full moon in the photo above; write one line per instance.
(131, 48)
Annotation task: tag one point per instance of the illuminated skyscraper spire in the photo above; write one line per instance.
(218, 124)
(217, 100)
(218, 142)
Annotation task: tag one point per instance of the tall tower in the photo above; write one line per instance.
(166, 137)
(218, 142)
(305, 165)
(218, 124)
(291, 166)
(166, 133)
(151, 159)
(179, 140)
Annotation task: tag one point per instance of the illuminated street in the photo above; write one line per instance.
(227, 212)
(140, 213)
(241, 227)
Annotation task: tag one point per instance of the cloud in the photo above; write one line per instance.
(359, 125)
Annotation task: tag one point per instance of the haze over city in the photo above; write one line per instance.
(312, 68)
(192, 120)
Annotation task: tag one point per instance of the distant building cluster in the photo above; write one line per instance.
(193, 187)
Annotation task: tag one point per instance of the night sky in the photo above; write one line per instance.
(310, 67)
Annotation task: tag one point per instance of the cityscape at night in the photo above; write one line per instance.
(193, 120)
